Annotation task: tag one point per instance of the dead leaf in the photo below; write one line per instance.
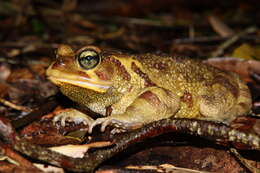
(78, 151)
(48, 168)
(46, 134)
(245, 68)
(246, 51)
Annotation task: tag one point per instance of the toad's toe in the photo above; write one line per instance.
(97, 122)
(74, 116)
(60, 117)
(118, 126)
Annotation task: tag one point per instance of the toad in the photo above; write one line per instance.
(130, 91)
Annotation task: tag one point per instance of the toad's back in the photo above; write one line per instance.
(203, 89)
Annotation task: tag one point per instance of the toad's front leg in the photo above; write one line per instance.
(72, 115)
(151, 105)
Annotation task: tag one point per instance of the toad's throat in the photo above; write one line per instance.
(58, 78)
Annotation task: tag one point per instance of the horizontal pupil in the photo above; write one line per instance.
(89, 61)
(90, 57)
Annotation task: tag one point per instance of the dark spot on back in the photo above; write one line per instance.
(187, 98)
(120, 67)
(146, 78)
(151, 98)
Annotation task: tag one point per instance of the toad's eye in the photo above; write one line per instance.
(88, 59)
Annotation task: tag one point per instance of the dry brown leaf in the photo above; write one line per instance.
(48, 168)
(242, 67)
(246, 51)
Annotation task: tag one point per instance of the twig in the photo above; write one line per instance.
(220, 50)
(256, 76)
(24, 44)
(11, 156)
(244, 161)
(14, 106)
(132, 21)
(219, 26)
(211, 39)
(165, 168)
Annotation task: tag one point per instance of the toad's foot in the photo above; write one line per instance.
(72, 115)
(118, 125)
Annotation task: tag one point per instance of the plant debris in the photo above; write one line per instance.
(225, 35)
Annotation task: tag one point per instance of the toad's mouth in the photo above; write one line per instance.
(60, 78)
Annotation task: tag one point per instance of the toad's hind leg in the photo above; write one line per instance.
(227, 98)
(244, 100)
(151, 105)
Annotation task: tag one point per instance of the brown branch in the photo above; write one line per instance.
(212, 39)
(216, 131)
